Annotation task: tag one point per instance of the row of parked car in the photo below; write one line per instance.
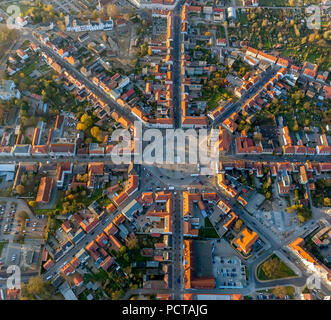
(262, 296)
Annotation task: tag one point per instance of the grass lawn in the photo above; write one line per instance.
(100, 276)
(2, 245)
(213, 101)
(208, 231)
(104, 201)
(273, 3)
(243, 19)
(138, 257)
(283, 272)
(220, 32)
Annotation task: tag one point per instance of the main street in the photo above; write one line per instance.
(177, 248)
(177, 67)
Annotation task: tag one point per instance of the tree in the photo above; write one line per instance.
(327, 202)
(306, 105)
(96, 133)
(296, 30)
(291, 209)
(32, 204)
(103, 36)
(295, 126)
(258, 137)
(95, 15)
(20, 189)
(279, 291)
(82, 177)
(116, 295)
(238, 225)
(311, 37)
(271, 268)
(81, 127)
(132, 242)
(327, 35)
(35, 287)
(86, 119)
(21, 215)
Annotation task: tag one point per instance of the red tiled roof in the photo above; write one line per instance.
(45, 190)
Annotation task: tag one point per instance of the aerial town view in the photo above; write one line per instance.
(165, 150)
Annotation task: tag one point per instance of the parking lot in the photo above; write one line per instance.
(228, 269)
(69, 6)
(229, 272)
(13, 255)
(8, 224)
(32, 229)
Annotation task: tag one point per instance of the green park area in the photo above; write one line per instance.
(273, 268)
(2, 245)
(208, 230)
